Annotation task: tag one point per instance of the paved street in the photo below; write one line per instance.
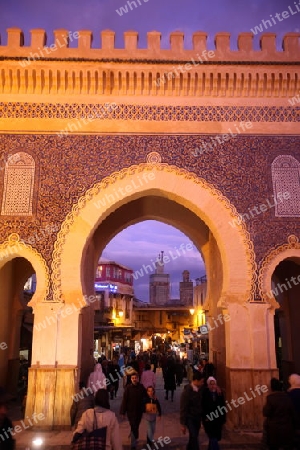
(167, 426)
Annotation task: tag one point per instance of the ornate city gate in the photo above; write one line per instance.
(93, 140)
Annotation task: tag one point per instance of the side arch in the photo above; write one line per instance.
(13, 247)
(289, 250)
(18, 262)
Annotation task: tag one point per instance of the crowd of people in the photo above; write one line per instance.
(282, 416)
(199, 400)
(138, 373)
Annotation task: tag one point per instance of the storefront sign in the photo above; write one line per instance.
(111, 287)
(203, 329)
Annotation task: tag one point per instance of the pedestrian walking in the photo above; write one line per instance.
(179, 371)
(133, 406)
(280, 418)
(169, 379)
(114, 375)
(152, 411)
(121, 360)
(294, 393)
(212, 401)
(131, 367)
(154, 360)
(97, 379)
(104, 418)
(189, 373)
(81, 402)
(191, 410)
(208, 369)
(148, 377)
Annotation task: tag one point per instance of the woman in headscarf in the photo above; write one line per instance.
(97, 379)
(103, 417)
(212, 399)
(148, 377)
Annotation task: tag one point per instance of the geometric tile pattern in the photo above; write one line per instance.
(240, 168)
(18, 110)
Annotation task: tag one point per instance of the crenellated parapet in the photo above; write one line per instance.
(60, 69)
(60, 48)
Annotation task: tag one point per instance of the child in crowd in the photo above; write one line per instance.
(152, 410)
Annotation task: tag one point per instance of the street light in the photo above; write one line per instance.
(37, 442)
(192, 311)
(201, 316)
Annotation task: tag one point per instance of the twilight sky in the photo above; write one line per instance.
(165, 16)
(138, 244)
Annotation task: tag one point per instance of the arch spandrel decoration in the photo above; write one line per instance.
(286, 179)
(273, 258)
(154, 158)
(14, 247)
(18, 185)
(179, 176)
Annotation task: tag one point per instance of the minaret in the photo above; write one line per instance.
(186, 289)
(160, 263)
(159, 285)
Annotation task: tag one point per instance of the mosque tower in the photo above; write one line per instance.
(159, 285)
(186, 289)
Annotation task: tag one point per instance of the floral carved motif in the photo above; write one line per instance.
(111, 180)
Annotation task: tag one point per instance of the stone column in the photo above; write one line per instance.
(55, 363)
(6, 294)
(250, 361)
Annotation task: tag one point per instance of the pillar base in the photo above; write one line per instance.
(50, 391)
(243, 384)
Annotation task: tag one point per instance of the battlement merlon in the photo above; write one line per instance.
(60, 49)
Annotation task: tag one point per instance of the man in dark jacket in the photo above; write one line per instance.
(133, 405)
(191, 410)
(280, 418)
(208, 369)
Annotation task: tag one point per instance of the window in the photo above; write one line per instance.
(99, 271)
(18, 185)
(128, 277)
(108, 271)
(286, 186)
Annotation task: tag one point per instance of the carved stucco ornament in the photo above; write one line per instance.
(153, 158)
(92, 193)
